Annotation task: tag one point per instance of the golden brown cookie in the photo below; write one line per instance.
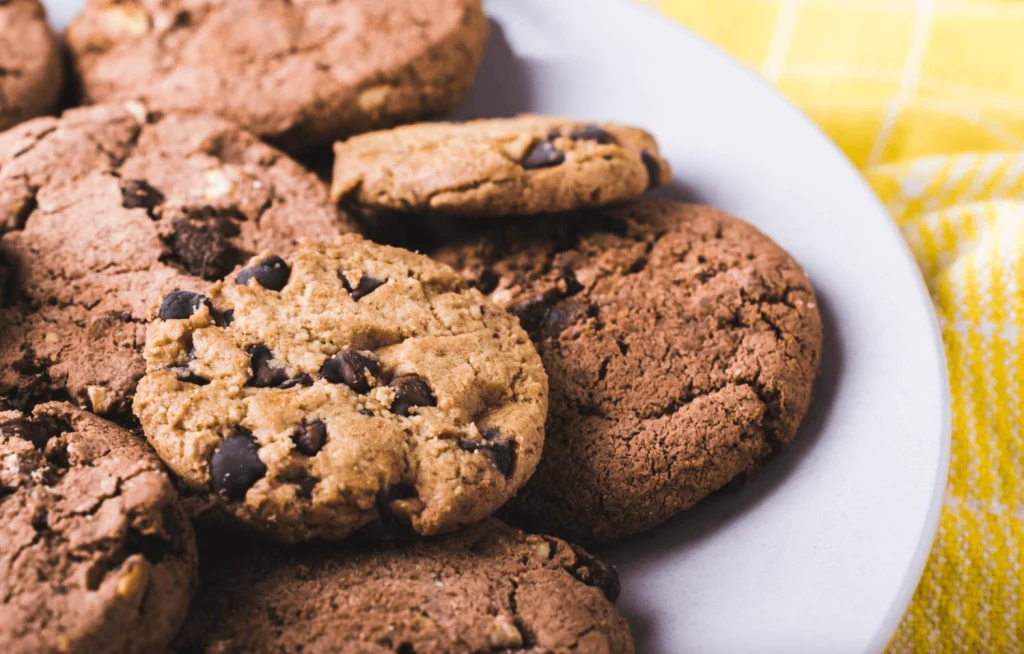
(681, 345)
(96, 556)
(488, 588)
(298, 73)
(348, 384)
(496, 167)
(105, 210)
(31, 71)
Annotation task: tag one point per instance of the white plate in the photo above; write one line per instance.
(822, 550)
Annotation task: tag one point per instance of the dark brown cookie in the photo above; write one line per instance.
(95, 553)
(488, 588)
(300, 74)
(31, 72)
(106, 210)
(681, 346)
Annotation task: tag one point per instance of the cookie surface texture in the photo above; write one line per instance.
(355, 384)
(681, 344)
(103, 212)
(32, 75)
(95, 554)
(488, 588)
(523, 165)
(299, 74)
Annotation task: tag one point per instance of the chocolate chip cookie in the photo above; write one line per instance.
(523, 165)
(106, 210)
(31, 73)
(95, 553)
(681, 345)
(488, 588)
(344, 385)
(297, 73)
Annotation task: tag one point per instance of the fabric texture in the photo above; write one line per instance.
(927, 98)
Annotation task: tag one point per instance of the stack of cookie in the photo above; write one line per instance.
(243, 412)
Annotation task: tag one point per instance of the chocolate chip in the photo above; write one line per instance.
(304, 488)
(542, 155)
(180, 305)
(235, 465)
(203, 248)
(501, 450)
(138, 194)
(487, 282)
(309, 438)
(272, 274)
(366, 285)
(37, 431)
(352, 369)
(264, 373)
(223, 318)
(410, 391)
(592, 133)
(387, 522)
(653, 169)
(302, 380)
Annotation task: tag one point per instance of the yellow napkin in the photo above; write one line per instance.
(927, 98)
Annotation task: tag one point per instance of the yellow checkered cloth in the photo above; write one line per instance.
(927, 98)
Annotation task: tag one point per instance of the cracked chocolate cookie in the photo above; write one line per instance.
(31, 73)
(106, 210)
(488, 588)
(95, 553)
(525, 165)
(681, 345)
(347, 385)
(297, 73)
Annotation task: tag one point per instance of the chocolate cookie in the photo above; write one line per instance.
(488, 588)
(106, 210)
(346, 385)
(299, 74)
(95, 554)
(524, 165)
(31, 73)
(681, 345)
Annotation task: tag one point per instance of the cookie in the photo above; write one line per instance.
(681, 344)
(95, 553)
(488, 588)
(32, 74)
(299, 74)
(525, 165)
(348, 384)
(106, 210)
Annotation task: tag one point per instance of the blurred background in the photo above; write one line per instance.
(926, 97)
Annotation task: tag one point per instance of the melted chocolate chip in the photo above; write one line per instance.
(501, 450)
(542, 155)
(366, 285)
(410, 391)
(203, 247)
(592, 133)
(304, 488)
(180, 305)
(309, 438)
(235, 465)
(653, 169)
(272, 274)
(352, 369)
(223, 318)
(264, 373)
(186, 376)
(138, 194)
(302, 380)
(37, 431)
